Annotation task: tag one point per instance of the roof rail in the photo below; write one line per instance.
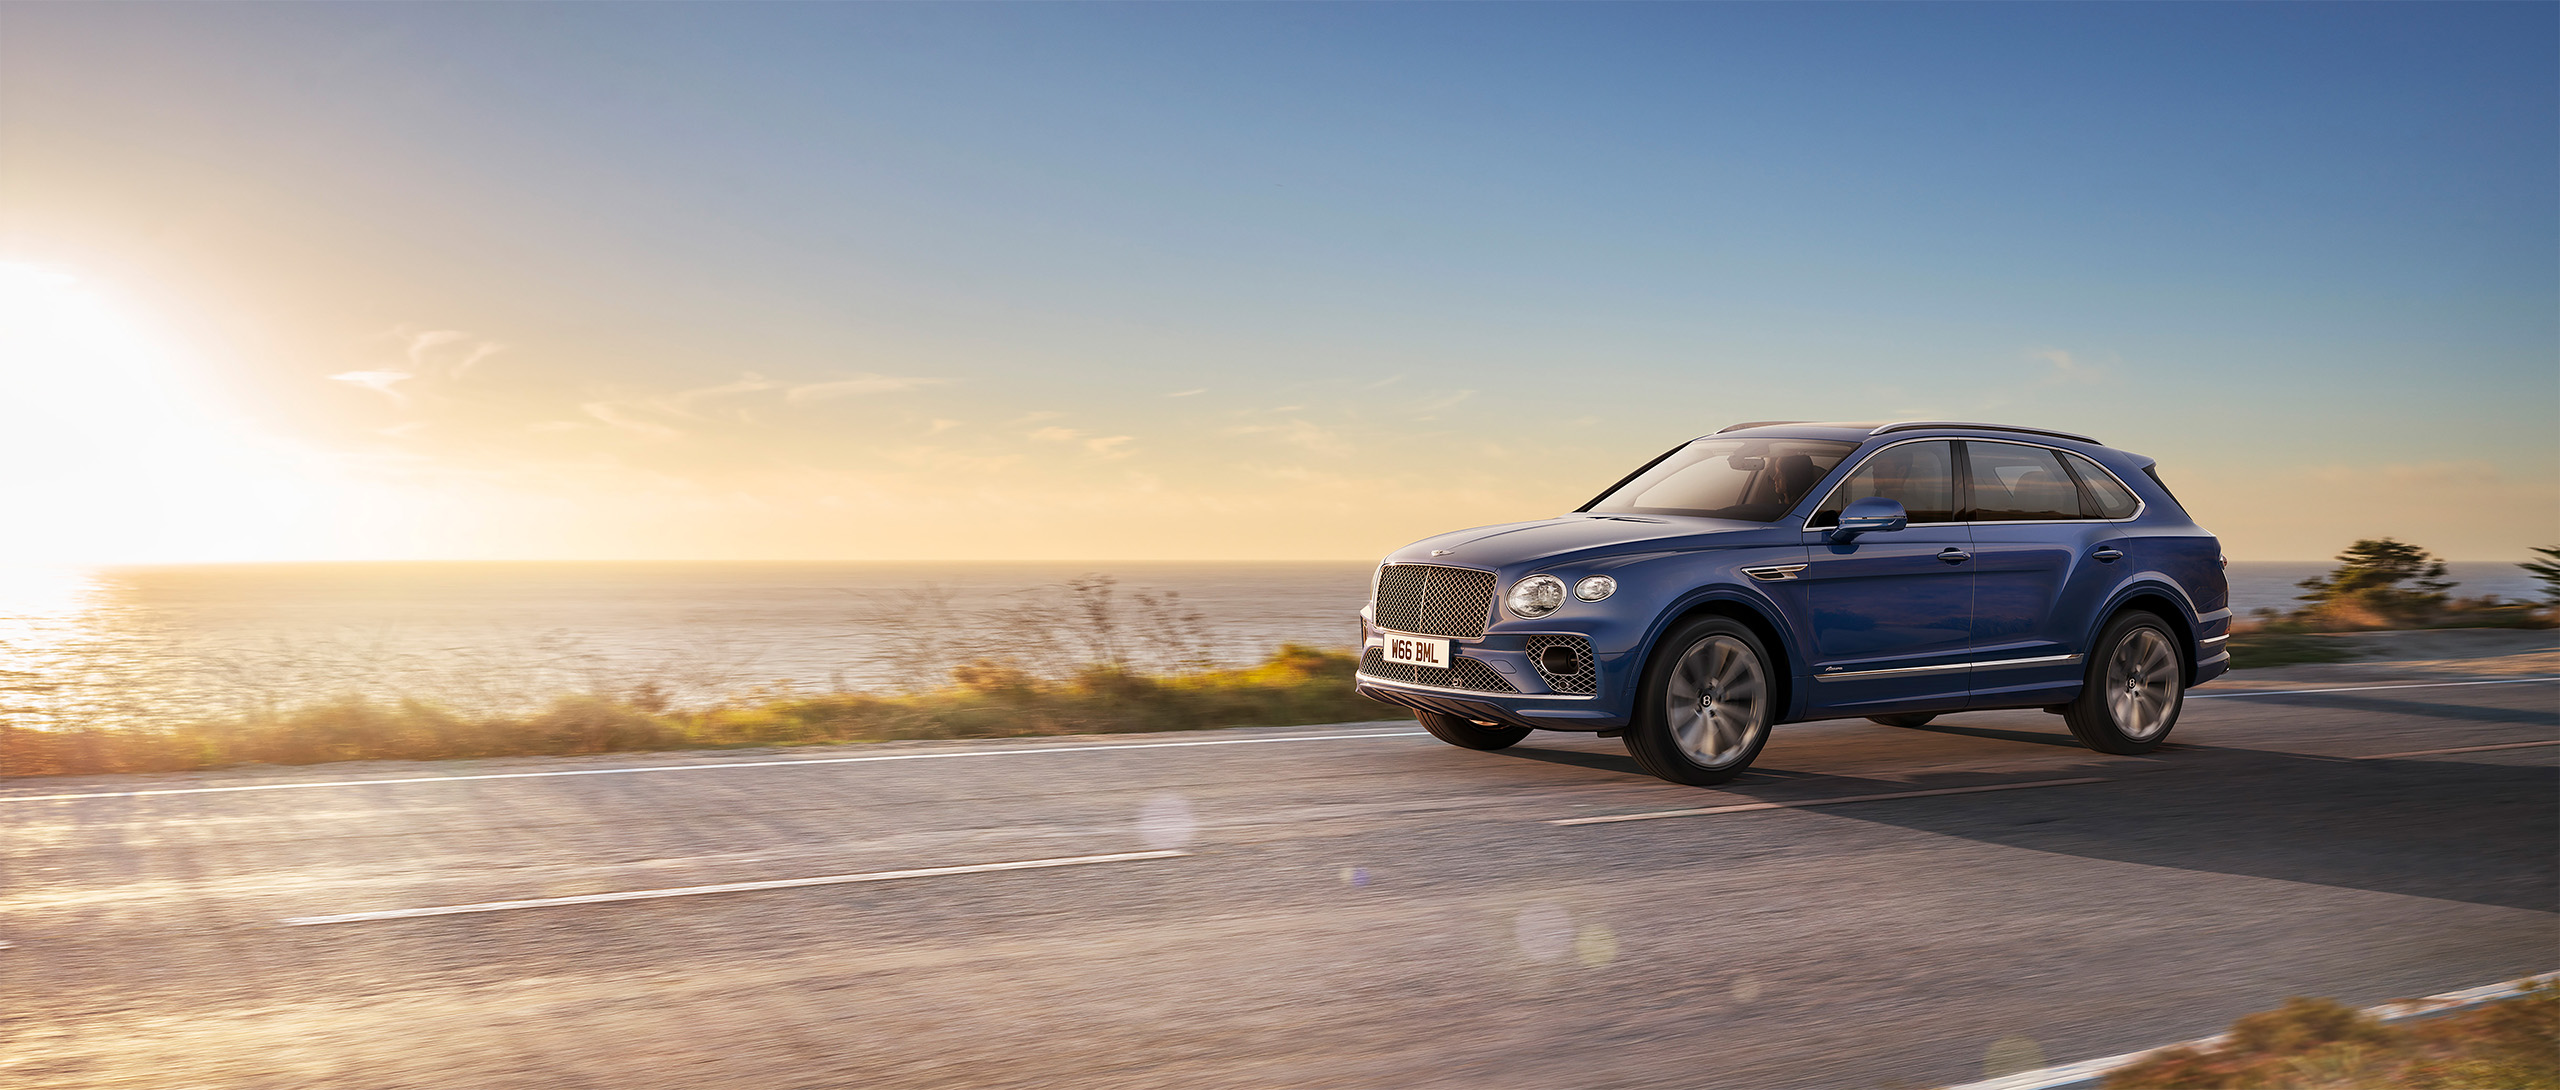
(1914, 425)
(1755, 424)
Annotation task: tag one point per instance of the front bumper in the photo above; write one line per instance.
(1494, 679)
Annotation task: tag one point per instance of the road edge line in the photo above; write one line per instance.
(868, 758)
(2370, 688)
(723, 887)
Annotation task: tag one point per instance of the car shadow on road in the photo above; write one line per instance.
(2451, 827)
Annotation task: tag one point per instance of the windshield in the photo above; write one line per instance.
(1753, 480)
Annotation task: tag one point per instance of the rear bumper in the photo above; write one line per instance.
(2213, 659)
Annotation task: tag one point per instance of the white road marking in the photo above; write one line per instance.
(725, 887)
(1800, 803)
(947, 755)
(2374, 688)
(2456, 749)
(1033, 751)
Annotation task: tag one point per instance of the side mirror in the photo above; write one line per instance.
(1872, 515)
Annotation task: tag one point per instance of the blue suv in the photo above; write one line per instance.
(1783, 571)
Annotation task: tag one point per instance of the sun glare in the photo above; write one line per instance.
(115, 449)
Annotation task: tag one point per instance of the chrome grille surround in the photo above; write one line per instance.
(1434, 600)
(1463, 673)
(1584, 680)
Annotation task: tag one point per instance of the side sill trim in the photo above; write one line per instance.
(1987, 664)
(1394, 684)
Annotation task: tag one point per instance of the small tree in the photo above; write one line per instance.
(2546, 569)
(2392, 578)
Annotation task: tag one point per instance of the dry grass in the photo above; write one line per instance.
(985, 699)
(2318, 1044)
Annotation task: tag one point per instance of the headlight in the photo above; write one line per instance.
(1535, 596)
(1595, 588)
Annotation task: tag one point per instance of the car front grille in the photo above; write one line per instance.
(1582, 680)
(1463, 673)
(1432, 600)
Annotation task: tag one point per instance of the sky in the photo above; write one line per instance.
(1237, 281)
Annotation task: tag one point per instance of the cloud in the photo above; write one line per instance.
(1299, 433)
(858, 384)
(422, 348)
(616, 415)
(377, 381)
(2064, 369)
(940, 426)
(1108, 446)
(1188, 393)
(1450, 401)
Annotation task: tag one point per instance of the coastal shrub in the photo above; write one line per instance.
(985, 698)
(2378, 583)
(2317, 1044)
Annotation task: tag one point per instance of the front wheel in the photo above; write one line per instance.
(1706, 706)
(2133, 690)
(1467, 733)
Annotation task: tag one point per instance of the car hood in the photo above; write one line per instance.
(1565, 535)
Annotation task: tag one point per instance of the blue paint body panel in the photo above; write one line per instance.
(1935, 617)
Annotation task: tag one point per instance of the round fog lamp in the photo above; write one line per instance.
(1595, 588)
(1536, 596)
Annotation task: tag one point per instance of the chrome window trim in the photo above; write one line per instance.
(1807, 525)
(1985, 664)
(2141, 506)
(1478, 693)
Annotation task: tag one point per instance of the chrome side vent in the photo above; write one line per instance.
(1775, 573)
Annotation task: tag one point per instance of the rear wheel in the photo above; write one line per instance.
(1707, 704)
(1467, 733)
(1914, 719)
(2133, 690)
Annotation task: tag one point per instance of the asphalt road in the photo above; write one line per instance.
(1354, 906)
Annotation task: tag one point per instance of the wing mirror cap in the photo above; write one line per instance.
(1873, 515)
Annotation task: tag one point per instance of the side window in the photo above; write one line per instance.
(1921, 476)
(2013, 483)
(2112, 498)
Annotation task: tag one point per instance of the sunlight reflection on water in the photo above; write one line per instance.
(129, 646)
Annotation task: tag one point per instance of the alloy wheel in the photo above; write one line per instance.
(2142, 683)
(1717, 701)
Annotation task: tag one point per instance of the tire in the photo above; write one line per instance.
(1909, 719)
(2134, 688)
(1708, 701)
(1467, 734)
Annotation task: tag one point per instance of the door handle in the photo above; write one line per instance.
(1953, 555)
(2107, 556)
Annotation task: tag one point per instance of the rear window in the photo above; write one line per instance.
(1750, 480)
(2107, 495)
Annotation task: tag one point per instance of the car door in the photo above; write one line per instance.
(1889, 615)
(2041, 563)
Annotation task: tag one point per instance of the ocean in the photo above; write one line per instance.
(121, 646)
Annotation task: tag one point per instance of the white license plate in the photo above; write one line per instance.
(1417, 650)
